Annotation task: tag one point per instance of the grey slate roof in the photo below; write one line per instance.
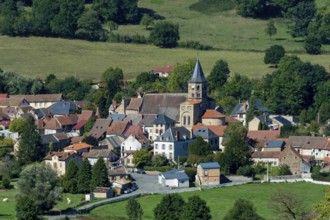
(198, 75)
(114, 141)
(260, 106)
(62, 108)
(48, 138)
(117, 117)
(170, 134)
(282, 120)
(162, 119)
(274, 143)
(147, 120)
(212, 165)
(175, 174)
(205, 133)
(239, 109)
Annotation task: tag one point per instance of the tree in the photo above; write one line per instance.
(199, 147)
(41, 184)
(196, 209)
(270, 29)
(237, 152)
(178, 80)
(165, 34)
(301, 15)
(174, 204)
(84, 177)
(147, 20)
(283, 170)
(238, 86)
(218, 76)
(242, 210)
(90, 140)
(134, 210)
(17, 125)
(288, 205)
(89, 124)
(251, 8)
(43, 12)
(159, 160)
(90, 27)
(65, 21)
(324, 112)
(99, 174)
(228, 103)
(323, 207)
(141, 158)
(26, 209)
(69, 180)
(274, 54)
(30, 148)
(313, 44)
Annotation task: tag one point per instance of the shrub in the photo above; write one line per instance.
(247, 171)
(313, 44)
(283, 170)
(159, 169)
(5, 183)
(194, 45)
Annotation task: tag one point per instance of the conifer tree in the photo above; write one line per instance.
(196, 209)
(30, 148)
(84, 177)
(99, 174)
(69, 180)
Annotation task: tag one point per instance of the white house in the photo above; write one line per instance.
(95, 154)
(133, 143)
(173, 143)
(174, 178)
(267, 157)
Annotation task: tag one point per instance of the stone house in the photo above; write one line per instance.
(59, 161)
(208, 174)
(40, 100)
(296, 162)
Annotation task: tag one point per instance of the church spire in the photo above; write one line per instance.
(198, 75)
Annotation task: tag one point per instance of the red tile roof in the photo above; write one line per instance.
(62, 156)
(231, 119)
(85, 115)
(164, 69)
(263, 134)
(134, 129)
(118, 127)
(78, 146)
(266, 154)
(213, 114)
(134, 104)
(3, 96)
(79, 125)
(219, 130)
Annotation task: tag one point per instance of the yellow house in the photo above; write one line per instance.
(208, 174)
(59, 161)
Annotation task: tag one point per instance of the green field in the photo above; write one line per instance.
(220, 200)
(38, 57)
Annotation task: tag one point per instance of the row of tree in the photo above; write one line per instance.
(85, 179)
(68, 19)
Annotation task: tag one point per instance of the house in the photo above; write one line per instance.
(213, 117)
(208, 174)
(118, 127)
(62, 108)
(209, 136)
(103, 192)
(147, 125)
(100, 128)
(295, 161)
(267, 157)
(173, 143)
(57, 141)
(40, 100)
(133, 143)
(319, 147)
(174, 179)
(112, 142)
(240, 110)
(121, 184)
(59, 161)
(259, 138)
(8, 134)
(273, 145)
(78, 147)
(57, 124)
(117, 174)
(160, 124)
(13, 102)
(279, 121)
(134, 106)
(257, 121)
(94, 154)
(218, 130)
(163, 71)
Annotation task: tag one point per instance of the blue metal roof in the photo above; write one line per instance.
(282, 120)
(212, 165)
(175, 174)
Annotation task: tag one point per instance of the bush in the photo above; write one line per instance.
(283, 170)
(247, 171)
(159, 169)
(5, 183)
(260, 168)
(194, 45)
(313, 44)
(191, 172)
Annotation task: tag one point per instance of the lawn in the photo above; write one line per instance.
(220, 200)
(38, 57)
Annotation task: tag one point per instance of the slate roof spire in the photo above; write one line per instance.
(198, 75)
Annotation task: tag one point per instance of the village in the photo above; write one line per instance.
(164, 125)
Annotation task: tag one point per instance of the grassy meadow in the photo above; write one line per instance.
(220, 200)
(38, 57)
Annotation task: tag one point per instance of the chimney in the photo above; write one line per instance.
(177, 135)
(244, 106)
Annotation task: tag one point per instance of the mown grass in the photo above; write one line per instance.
(222, 199)
(220, 29)
(38, 57)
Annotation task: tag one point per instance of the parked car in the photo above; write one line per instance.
(128, 190)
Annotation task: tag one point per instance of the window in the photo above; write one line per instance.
(171, 156)
(184, 120)
(188, 120)
(156, 146)
(197, 88)
(163, 146)
(170, 147)
(55, 165)
(60, 165)
(128, 161)
(160, 131)
(206, 172)
(198, 95)
(192, 95)
(156, 131)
